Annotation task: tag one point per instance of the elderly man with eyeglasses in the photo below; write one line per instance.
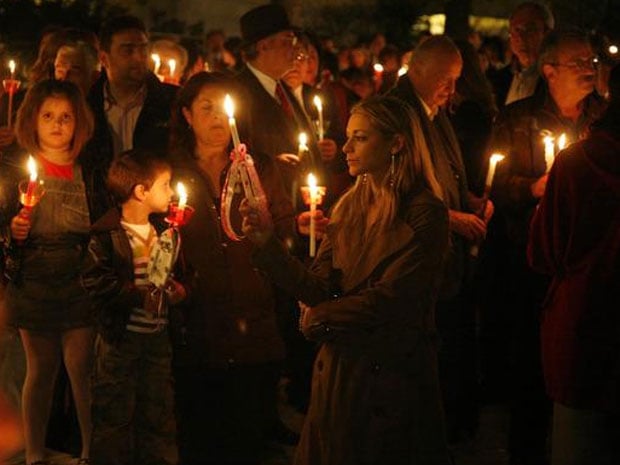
(565, 104)
(530, 22)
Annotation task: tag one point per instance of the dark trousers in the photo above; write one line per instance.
(224, 414)
(530, 408)
(458, 374)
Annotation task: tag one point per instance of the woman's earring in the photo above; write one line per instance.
(392, 169)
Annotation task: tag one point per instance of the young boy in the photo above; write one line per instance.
(133, 418)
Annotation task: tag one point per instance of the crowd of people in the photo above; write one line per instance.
(443, 278)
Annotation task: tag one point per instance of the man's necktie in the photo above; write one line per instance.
(283, 99)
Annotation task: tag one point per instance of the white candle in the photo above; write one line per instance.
(493, 161)
(172, 66)
(180, 213)
(157, 62)
(12, 68)
(229, 107)
(319, 107)
(303, 145)
(313, 201)
(32, 183)
(549, 152)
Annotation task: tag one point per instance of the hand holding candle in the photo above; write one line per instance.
(319, 107)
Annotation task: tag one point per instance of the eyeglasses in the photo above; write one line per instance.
(579, 64)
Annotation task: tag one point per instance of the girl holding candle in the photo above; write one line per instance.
(232, 349)
(369, 298)
(44, 298)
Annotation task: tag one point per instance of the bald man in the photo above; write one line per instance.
(435, 66)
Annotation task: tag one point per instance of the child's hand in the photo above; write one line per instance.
(175, 291)
(20, 227)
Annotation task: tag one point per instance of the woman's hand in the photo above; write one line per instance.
(256, 229)
(320, 223)
(20, 226)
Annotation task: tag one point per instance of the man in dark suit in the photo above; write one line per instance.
(271, 114)
(131, 106)
(430, 82)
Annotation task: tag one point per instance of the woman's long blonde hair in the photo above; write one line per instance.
(413, 171)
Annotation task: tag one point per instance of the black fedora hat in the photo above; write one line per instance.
(263, 21)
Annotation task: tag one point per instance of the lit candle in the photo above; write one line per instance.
(32, 183)
(403, 70)
(180, 213)
(561, 142)
(319, 107)
(229, 107)
(313, 201)
(549, 152)
(172, 66)
(303, 145)
(12, 87)
(378, 68)
(493, 161)
(157, 61)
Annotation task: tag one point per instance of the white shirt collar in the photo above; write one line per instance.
(267, 82)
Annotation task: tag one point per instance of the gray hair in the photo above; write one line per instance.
(554, 41)
(542, 11)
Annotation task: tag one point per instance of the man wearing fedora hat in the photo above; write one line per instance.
(272, 115)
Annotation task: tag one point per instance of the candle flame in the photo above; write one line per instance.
(229, 106)
(497, 157)
(172, 66)
(562, 142)
(32, 168)
(156, 60)
(317, 102)
(311, 181)
(403, 70)
(12, 67)
(303, 139)
(378, 67)
(182, 195)
(613, 49)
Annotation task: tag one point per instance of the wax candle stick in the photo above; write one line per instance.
(180, 212)
(493, 161)
(313, 201)
(561, 142)
(229, 107)
(303, 146)
(32, 183)
(549, 152)
(319, 108)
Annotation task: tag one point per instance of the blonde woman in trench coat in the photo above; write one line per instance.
(368, 299)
